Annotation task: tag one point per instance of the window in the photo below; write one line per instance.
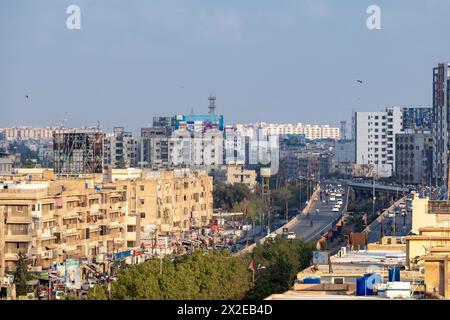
(142, 215)
(142, 201)
(131, 228)
(142, 187)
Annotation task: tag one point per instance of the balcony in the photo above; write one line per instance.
(131, 236)
(131, 220)
(15, 218)
(18, 238)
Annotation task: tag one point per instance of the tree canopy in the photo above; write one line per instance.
(216, 275)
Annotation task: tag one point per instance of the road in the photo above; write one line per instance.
(321, 221)
(404, 226)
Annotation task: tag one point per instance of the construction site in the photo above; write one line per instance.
(78, 151)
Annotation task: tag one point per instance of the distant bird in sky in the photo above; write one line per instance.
(181, 87)
(26, 96)
(359, 81)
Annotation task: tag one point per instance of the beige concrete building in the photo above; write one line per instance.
(429, 213)
(6, 163)
(51, 220)
(429, 249)
(437, 272)
(167, 202)
(428, 238)
(29, 133)
(2, 246)
(238, 174)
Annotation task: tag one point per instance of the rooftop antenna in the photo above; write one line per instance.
(212, 104)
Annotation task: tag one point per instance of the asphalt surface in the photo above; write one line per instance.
(321, 221)
(403, 227)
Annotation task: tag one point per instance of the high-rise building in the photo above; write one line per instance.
(417, 118)
(120, 149)
(375, 139)
(414, 149)
(441, 125)
(154, 147)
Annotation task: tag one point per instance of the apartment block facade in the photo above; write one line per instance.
(414, 151)
(120, 149)
(52, 220)
(312, 132)
(375, 139)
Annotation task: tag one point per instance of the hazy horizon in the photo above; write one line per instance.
(265, 61)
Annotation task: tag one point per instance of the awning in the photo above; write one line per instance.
(114, 225)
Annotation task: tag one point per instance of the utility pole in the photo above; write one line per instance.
(300, 193)
(287, 200)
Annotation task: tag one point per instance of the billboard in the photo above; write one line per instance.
(320, 257)
(199, 122)
(73, 274)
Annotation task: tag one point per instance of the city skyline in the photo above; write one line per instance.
(157, 58)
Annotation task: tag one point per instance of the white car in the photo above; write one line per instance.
(332, 198)
(291, 235)
(60, 295)
(88, 285)
(335, 209)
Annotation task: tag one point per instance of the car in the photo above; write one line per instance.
(60, 295)
(332, 198)
(88, 285)
(335, 209)
(291, 235)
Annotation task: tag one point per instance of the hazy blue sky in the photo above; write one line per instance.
(274, 61)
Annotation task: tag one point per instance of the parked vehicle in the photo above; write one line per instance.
(59, 295)
(291, 235)
(88, 285)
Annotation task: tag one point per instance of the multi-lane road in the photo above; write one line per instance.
(386, 225)
(321, 215)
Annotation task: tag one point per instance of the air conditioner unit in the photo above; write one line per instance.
(338, 280)
(342, 252)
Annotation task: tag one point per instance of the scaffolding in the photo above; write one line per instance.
(78, 151)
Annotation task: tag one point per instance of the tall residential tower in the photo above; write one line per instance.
(441, 114)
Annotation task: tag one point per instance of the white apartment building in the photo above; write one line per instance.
(375, 139)
(29, 133)
(199, 150)
(311, 132)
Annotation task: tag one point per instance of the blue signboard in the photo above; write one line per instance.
(122, 255)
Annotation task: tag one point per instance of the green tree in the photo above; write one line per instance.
(280, 261)
(216, 275)
(22, 276)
